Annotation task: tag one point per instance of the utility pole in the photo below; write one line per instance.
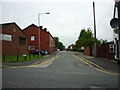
(95, 53)
(118, 6)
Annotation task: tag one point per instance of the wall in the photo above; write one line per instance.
(32, 30)
(103, 51)
(45, 38)
(13, 47)
(87, 50)
(51, 44)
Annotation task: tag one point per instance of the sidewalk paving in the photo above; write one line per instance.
(29, 62)
(109, 65)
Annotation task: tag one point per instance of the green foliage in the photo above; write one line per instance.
(101, 41)
(56, 39)
(58, 44)
(85, 38)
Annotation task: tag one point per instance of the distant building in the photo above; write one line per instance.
(46, 40)
(70, 47)
(14, 40)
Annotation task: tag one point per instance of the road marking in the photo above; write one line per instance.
(34, 64)
(96, 67)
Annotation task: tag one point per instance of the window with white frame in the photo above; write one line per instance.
(5, 37)
(111, 48)
(31, 47)
(32, 38)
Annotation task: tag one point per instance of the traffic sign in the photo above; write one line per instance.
(114, 23)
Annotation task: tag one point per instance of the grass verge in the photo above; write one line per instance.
(20, 58)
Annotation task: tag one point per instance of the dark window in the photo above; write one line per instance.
(22, 40)
(31, 47)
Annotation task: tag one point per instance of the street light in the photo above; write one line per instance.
(39, 29)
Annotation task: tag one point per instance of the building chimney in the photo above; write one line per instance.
(45, 29)
(41, 27)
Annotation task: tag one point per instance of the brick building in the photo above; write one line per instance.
(46, 40)
(105, 50)
(14, 40)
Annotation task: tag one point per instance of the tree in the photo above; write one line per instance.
(101, 41)
(56, 39)
(58, 44)
(85, 38)
(61, 46)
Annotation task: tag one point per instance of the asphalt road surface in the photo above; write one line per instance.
(63, 71)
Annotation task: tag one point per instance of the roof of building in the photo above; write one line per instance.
(30, 26)
(45, 29)
(8, 24)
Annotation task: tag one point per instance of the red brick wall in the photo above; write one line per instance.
(103, 51)
(44, 45)
(51, 44)
(13, 47)
(87, 50)
(44, 38)
(32, 30)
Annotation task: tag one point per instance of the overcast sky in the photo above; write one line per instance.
(66, 18)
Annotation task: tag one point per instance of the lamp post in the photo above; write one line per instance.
(39, 30)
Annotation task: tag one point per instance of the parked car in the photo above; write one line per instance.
(36, 52)
(45, 52)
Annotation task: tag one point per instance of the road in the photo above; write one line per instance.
(63, 71)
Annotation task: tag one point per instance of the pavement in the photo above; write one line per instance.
(102, 63)
(29, 62)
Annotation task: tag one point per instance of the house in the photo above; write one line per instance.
(14, 40)
(105, 50)
(45, 39)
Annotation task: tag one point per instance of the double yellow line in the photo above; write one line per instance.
(96, 67)
(34, 64)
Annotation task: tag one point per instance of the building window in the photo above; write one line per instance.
(14, 30)
(32, 38)
(31, 47)
(111, 48)
(22, 40)
(5, 37)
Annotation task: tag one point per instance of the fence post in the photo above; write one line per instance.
(17, 58)
(3, 57)
(29, 56)
(25, 58)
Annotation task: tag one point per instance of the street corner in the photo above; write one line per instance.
(42, 64)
